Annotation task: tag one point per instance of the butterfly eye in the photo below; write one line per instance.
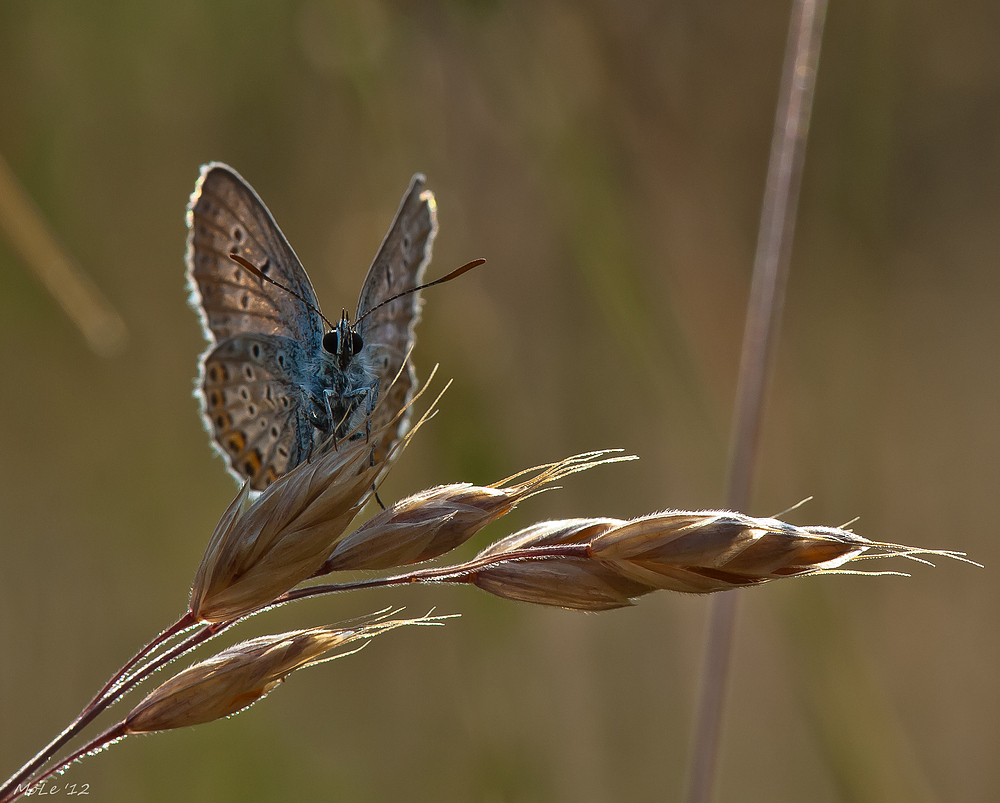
(356, 342)
(330, 341)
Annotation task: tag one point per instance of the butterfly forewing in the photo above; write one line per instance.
(225, 216)
(388, 331)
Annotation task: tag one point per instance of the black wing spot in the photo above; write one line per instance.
(237, 234)
(274, 432)
(248, 372)
(281, 359)
(251, 410)
(283, 451)
(244, 394)
(245, 301)
(255, 350)
(213, 374)
(266, 266)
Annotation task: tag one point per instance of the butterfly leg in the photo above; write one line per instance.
(366, 396)
(328, 393)
(372, 397)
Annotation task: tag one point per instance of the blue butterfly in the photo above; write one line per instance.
(276, 381)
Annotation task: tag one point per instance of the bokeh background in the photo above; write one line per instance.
(608, 160)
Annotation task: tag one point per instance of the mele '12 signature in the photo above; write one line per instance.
(45, 788)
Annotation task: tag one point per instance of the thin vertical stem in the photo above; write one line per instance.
(767, 295)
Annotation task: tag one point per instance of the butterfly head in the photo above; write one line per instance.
(343, 341)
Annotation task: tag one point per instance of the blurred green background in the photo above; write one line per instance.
(608, 160)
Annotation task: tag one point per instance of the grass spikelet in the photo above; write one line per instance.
(259, 551)
(435, 521)
(239, 676)
(705, 551)
(696, 552)
(576, 582)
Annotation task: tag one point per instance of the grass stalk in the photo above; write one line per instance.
(767, 294)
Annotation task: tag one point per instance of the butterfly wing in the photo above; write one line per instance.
(252, 403)
(388, 331)
(226, 215)
(250, 385)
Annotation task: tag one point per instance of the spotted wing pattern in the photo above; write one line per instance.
(388, 331)
(249, 388)
(225, 215)
(252, 406)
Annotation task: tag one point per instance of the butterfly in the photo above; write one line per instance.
(276, 381)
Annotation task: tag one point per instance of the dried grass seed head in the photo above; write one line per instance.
(689, 551)
(567, 581)
(239, 676)
(705, 551)
(417, 528)
(433, 522)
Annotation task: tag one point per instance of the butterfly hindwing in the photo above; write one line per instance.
(252, 405)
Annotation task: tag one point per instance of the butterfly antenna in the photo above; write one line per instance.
(257, 272)
(453, 275)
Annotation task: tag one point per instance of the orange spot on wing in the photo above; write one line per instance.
(236, 442)
(251, 464)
